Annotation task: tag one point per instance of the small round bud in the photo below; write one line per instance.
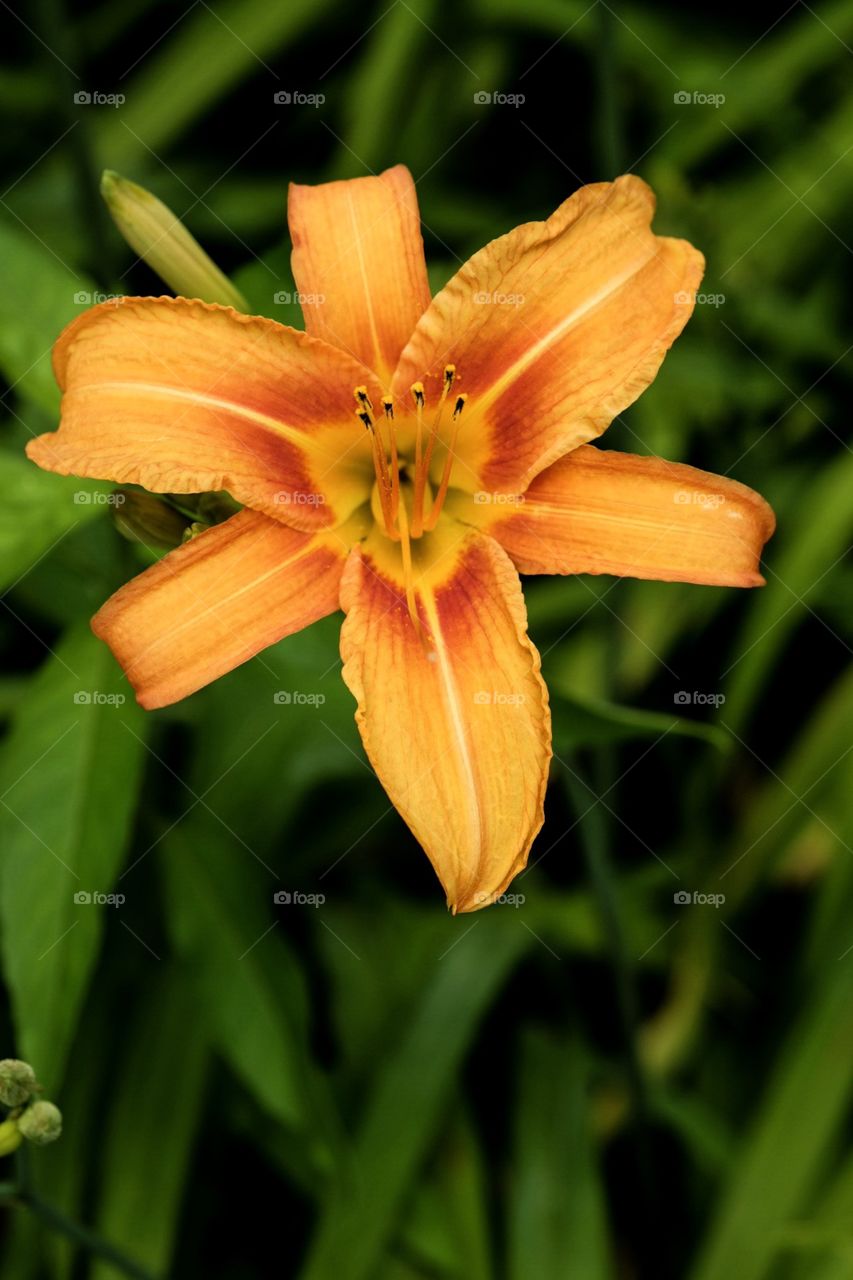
(10, 1137)
(41, 1123)
(17, 1082)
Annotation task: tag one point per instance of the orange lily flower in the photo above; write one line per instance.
(403, 459)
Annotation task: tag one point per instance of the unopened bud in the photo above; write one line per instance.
(149, 519)
(162, 240)
(17, 1082)
(41, 1123)
(10, 1137)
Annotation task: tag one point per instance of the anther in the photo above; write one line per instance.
(388, 406)
(363, 398)
(460, 404)
(365, 417)
(418, 393)
(449, 375)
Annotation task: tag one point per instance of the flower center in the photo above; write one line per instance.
(403, 503)
(407, 507)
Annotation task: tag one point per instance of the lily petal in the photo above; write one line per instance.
(597, 511)
(215, 602)
(554, 329)
(183, 396)
(457, 727)
(358, 262)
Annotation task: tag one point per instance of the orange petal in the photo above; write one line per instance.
(217, 601)
(457, 727)
(596, 511)
(182, 396)
(358, 261)
(554, 329)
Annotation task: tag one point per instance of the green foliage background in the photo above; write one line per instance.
(600, 1082)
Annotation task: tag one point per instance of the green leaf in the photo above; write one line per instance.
(69, 777)
(40, 296)
(796, 1125)
(251, 994)
(149, 1129)
(412, 1081)
(556, 1215)
(37, 511)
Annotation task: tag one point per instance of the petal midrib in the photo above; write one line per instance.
(301, 438)
(532, 354)
(457, 722)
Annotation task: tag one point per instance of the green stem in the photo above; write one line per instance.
(21, 1193)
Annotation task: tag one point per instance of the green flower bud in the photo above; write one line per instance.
(162, 240)
(17, 1082)
(10, 1137)
(41, 1123)
(146, 518)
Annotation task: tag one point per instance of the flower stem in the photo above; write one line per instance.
(21, 1193)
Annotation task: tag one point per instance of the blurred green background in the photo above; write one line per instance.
(599, 1081)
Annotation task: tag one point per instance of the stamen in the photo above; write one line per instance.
(363, 398)
(388, 407)
(437, 505)
(417, 390)
(380, 466)
(422, 472)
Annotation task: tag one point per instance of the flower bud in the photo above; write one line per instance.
(147, 518)
(162, 240)
(17, 1082)
(10, 1137)
(41, 1123)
